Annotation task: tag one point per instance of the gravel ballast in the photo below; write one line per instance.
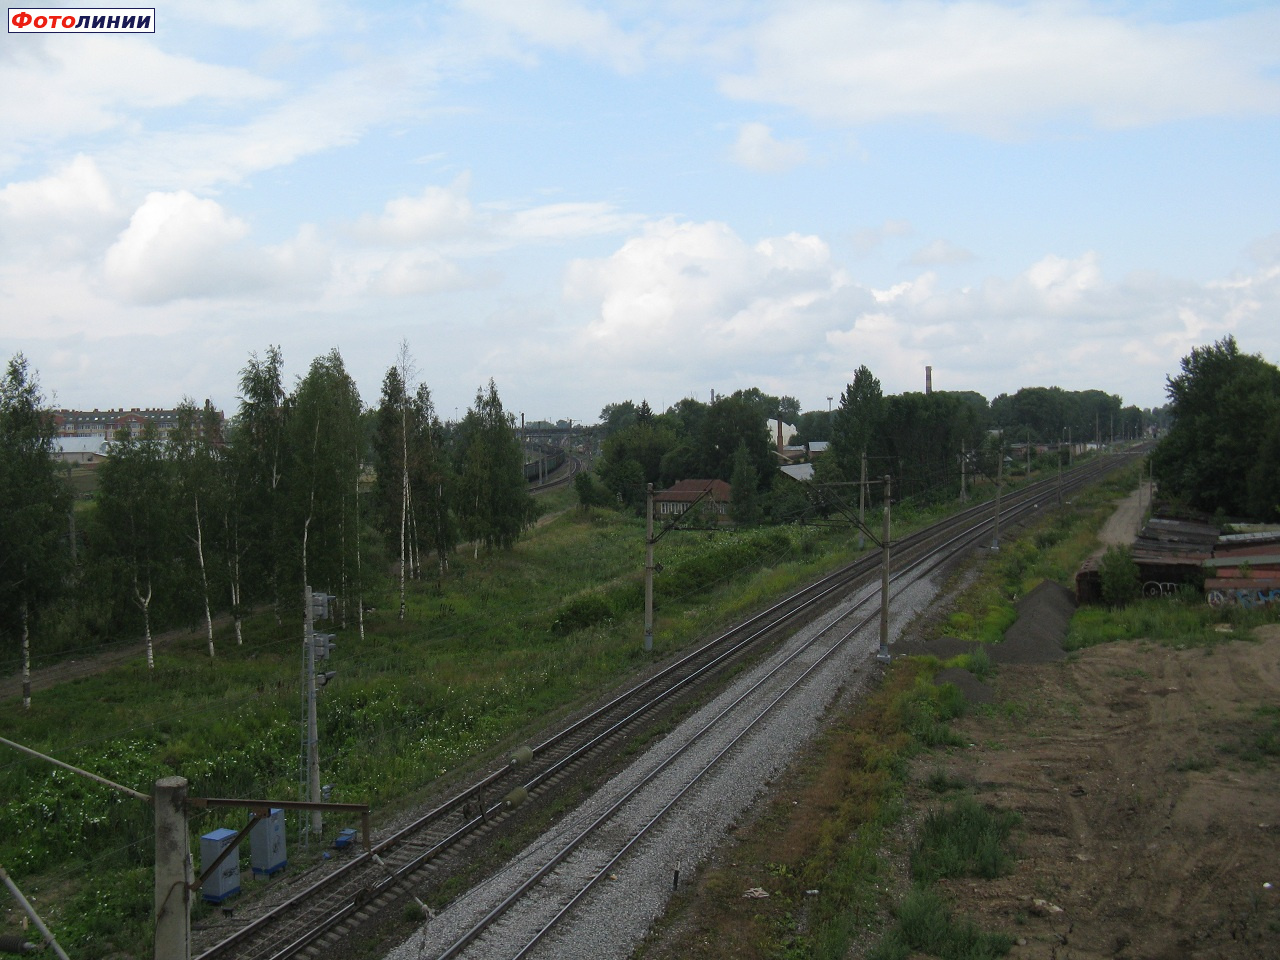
(619, 911)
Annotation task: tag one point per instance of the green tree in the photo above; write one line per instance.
(260, 458)
(198, 490)
(633, 456)
(744, 483)
(35, 502)
(731, 422)
(494, 502)
(326, 441)
(433, 481)
(1219, 402)
(134, 527)
(855, 424)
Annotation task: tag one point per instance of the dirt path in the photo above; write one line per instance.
(1122, 526)
(100, 659)
(1148, 780)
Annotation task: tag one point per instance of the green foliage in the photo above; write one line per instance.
(964, 839)
(744, 480)
(590, 492)
(855, 424)
(925, 926)
(35, 503)
(493, 500)
(1223, 450)
(1121, 582)
(584, 610)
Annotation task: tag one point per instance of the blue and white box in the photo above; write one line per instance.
(266, 845)
(225, 881)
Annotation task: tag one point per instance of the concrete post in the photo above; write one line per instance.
(174, 871)
(995, 540)
(862, 504)
(883, 655)
(648, 567)
(313, 728)
(964, 493)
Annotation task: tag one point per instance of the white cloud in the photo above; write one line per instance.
(63, 214)
(438, 213)
(697, 294)
(336, 112)
(997, 68)
(757, 149)
(564, 25)
(179, 246)
(77, 85)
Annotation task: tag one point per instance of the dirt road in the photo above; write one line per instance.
(1148, 780)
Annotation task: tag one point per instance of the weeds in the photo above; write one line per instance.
(925, 925)
(965, 839)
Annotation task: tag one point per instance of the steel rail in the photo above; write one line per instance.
(938, 555)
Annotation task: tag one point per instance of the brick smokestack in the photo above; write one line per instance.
(928, 380)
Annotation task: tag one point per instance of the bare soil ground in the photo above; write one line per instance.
(1151, 814)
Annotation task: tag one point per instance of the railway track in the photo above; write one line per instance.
(368, 887)
(565, 478)
(527, 917)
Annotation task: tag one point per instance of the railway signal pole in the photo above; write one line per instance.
(648, 567)
(862, 503)
(995, 540)
(883, 655)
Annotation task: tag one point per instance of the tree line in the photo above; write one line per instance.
(918, 438)
(300, 487)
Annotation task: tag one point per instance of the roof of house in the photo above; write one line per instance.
(72, 445)
(798, 471)
(686, 491)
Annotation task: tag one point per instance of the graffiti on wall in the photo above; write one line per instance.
(1243, 598)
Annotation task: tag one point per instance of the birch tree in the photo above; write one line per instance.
(197, 487)
(133, 526)
(259, 456)
(34, 505)
(324, 427)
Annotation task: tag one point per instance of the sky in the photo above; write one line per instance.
(596, 202)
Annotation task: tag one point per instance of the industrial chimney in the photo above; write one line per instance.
(928, 380)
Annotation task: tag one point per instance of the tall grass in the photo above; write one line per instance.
(476, 661)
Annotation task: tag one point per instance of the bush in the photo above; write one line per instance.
(582, 611)
(1121, 583)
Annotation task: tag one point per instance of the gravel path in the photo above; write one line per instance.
(618, 913)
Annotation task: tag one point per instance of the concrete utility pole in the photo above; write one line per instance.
(995, 540)
(1059, 469)
(883, 655)
(174, 872)
(964, 494)
(313, 730)
(648, 567)
(862, 504)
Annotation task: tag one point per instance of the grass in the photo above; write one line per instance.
(925, 925)
(1174, 622)
(964, 839)
(476, 662)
